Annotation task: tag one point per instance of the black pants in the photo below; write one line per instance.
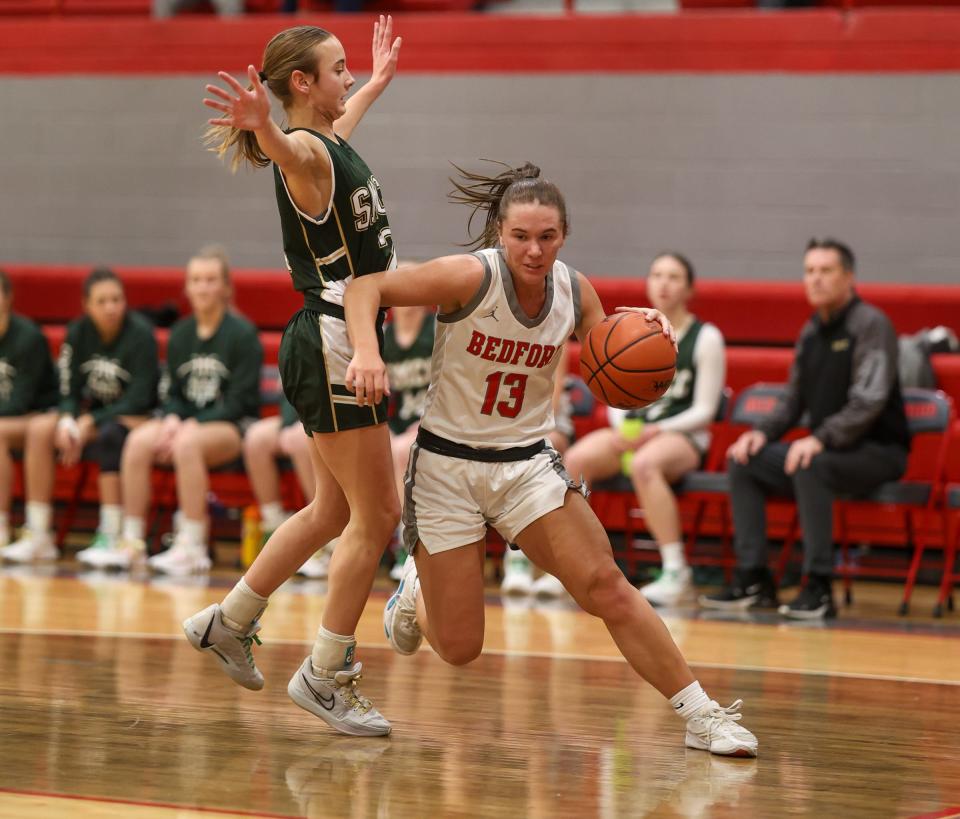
(107, 447)
(848, 472)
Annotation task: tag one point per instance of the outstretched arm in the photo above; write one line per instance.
(249, 110)
(450, 281)
(385, 55)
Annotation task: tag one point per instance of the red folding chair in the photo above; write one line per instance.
(928, 416)
(951, 511)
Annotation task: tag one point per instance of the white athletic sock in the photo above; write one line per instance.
(194, 532)
(111, 519)
(38, 517)
(134, 528)
(689, 701)
(271, 515)
(241, 606)
(331, 652)
(671, 554)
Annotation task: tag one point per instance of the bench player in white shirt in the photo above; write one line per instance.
(481, 458)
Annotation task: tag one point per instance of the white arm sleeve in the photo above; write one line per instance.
(710, 361)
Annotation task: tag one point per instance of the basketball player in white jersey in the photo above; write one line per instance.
(481, 459)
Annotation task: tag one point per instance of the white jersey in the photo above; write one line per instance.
(491, 380)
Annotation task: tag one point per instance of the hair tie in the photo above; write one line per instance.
(262, 75)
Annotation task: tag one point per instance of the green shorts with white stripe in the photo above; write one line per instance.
(314, 354)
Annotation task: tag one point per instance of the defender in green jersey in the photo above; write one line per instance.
(108, 385)
(335, 229)
(28, 384)
(656, 446)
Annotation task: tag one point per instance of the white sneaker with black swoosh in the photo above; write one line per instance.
(337, 701)
(207, 632)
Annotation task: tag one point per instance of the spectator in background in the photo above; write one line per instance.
(844, 377)
(407, 352)
(657, 445)
(108, 385)
(28, 385)
(266, 439)
(213, 369)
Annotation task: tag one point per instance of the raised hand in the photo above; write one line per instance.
(248, 110)
(385, 52)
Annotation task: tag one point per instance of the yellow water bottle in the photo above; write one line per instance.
(631, 429)
(251, 536)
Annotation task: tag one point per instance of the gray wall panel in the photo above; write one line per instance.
(737, 170)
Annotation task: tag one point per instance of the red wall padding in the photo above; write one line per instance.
(814, 40)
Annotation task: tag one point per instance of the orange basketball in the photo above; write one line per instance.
(627, 362)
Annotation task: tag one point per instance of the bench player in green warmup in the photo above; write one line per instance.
(108, 385)
(213, 394)
(335, 228)
(28, 385)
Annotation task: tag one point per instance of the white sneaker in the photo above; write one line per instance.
(672, 588)
(92, 555)
(317, 566)
(30, 548)
(337, 701)
(206, 631)
(182, 558)
(547, 586)
(517, 573)
(715, 729)
(126, 554)
(400, 613)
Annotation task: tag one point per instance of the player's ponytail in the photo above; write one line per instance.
(493, 195)
(293, 49)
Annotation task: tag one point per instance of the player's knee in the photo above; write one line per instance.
(644, 470)
(109, 444)
(607, 594)
(257, 439)
(458, 647)
(186, 447)
(40, 430)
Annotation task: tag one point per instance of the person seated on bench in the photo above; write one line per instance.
(657, 445)
(108, 385)
(28, 385)
(268, 438)
(213, 372)
(844, 378)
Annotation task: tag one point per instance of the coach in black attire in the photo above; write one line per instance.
(844, 385)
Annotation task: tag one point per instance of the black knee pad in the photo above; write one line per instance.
(108, 445)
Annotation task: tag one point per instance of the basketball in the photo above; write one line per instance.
(627, 362)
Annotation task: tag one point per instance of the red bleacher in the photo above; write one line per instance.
(760, 321)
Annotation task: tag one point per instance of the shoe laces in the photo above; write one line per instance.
(718, 717)
(347, 685)
(247, 642)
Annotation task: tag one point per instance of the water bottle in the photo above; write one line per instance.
(251, 537)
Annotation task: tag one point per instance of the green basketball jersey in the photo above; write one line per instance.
(352, 238)
(28, 380)
(408, 369)
(679, 396)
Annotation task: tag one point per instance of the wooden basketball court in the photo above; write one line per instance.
(107, 711)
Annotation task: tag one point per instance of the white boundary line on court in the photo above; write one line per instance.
(504, 652)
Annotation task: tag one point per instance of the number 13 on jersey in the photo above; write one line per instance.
(515, 383)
